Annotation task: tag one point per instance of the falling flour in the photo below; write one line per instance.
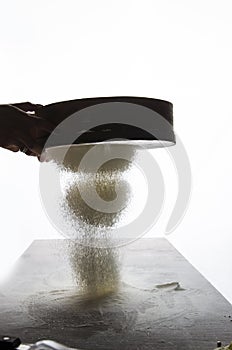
(93, 258)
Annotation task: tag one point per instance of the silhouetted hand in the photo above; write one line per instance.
(21, 129)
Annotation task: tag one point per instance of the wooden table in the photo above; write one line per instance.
(163, 302)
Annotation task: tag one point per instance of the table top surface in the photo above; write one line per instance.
(162, 302)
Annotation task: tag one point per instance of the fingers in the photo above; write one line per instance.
(27, 106)
(41, 125)
(27, 146)
(12, 148)
(11, 144)
(32, 154)
(31, 144)
(17, 148)
(45, 125)
(35, 133)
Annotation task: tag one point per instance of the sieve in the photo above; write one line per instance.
(116, 123)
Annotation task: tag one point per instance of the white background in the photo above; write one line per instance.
(178, 50)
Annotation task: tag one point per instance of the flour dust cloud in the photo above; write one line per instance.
(93, 258)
